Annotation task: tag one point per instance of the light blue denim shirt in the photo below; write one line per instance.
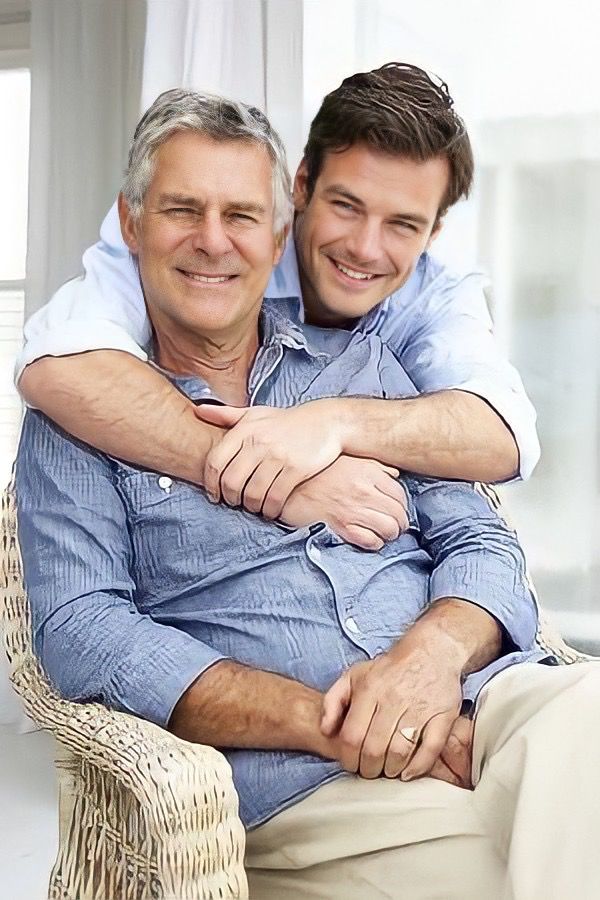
(437, 325)
(138, 583)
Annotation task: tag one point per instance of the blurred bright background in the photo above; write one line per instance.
(523, 75)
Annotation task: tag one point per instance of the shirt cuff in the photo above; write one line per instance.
(499, 589)
(518, 413)
(149, 684)
(476, 681)
(77, 337)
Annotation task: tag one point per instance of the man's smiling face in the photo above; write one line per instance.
(204, 240)
(361, 233)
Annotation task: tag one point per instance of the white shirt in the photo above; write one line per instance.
(437, 324)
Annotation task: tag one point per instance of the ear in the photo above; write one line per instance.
(300, 192)
(439, 224)
(280, 241)
(129, 225)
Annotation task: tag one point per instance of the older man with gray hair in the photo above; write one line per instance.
(342, 685)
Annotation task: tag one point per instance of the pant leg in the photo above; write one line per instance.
(366, 840)
(537, 766)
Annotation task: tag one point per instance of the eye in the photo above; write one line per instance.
(243, 217)
(181, 211)
(343, 205)
(405, 226)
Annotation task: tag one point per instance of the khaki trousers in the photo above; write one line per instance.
(528, 831)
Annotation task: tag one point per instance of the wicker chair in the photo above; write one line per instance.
(143, 814)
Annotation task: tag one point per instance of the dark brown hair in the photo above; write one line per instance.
(397, 109)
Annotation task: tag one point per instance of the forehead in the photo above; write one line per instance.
(385, 179)
(199, 166)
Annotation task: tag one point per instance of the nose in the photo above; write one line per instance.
(210, 235)
(365, 241)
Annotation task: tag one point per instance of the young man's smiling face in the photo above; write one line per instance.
(360, 235)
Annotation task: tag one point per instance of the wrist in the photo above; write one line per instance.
(304, 723)
(341, 415)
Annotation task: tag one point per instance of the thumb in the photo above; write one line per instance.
(224, 416)
(335, 704)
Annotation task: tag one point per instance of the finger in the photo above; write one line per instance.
(392, 488)
(257, 486)
(217, 460)
(433, 739)
(354, 731)
(443, 773)
(237, 473)
(335, 705)
(457, 754)
(224, 416)
(360, 537)
(384, 525)
(400, 749)
(376, 743)
(277, 495)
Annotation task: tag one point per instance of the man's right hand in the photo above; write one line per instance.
(359, 499)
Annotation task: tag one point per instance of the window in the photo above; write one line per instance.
(14, 157)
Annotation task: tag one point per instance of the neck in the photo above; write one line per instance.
(222, 361)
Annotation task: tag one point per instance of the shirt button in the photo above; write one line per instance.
(165, 483)
(352, 626)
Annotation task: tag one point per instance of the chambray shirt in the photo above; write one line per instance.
(437, 325)
(138, 583)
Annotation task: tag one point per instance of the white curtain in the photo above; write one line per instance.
(247, 49)
(85, 99)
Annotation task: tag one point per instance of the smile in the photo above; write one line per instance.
(206, 279)
(354, 274)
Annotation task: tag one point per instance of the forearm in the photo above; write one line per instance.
(122, 406)
(232, 705)
(451, 434)
(468, 636)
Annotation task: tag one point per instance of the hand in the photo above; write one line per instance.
(268, 452)
(455, 761)
(359, 499)
(410, 686)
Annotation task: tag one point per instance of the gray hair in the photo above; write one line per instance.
(219, 118)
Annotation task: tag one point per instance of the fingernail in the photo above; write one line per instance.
(405, 776)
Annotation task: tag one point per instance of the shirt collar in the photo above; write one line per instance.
(284, 283)
(276, 330)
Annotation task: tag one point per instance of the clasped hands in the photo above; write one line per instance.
(288, 464)
(408, 689)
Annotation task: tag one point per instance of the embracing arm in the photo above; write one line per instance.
(123, 406)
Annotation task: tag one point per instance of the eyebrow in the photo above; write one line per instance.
(185, 200)
(340, 191)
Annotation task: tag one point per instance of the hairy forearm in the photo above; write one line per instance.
(115, 402)
(464, 632)
(451, 434)
(232, 705)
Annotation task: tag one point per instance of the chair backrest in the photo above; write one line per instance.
(26, 674)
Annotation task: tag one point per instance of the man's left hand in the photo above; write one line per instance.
(268, 452)
(411, 689)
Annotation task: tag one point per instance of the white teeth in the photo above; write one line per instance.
(206, 279)
(360, 276)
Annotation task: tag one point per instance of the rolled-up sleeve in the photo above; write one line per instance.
(476, 555)
(90, 637)
(452, 347)
(102, 310)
